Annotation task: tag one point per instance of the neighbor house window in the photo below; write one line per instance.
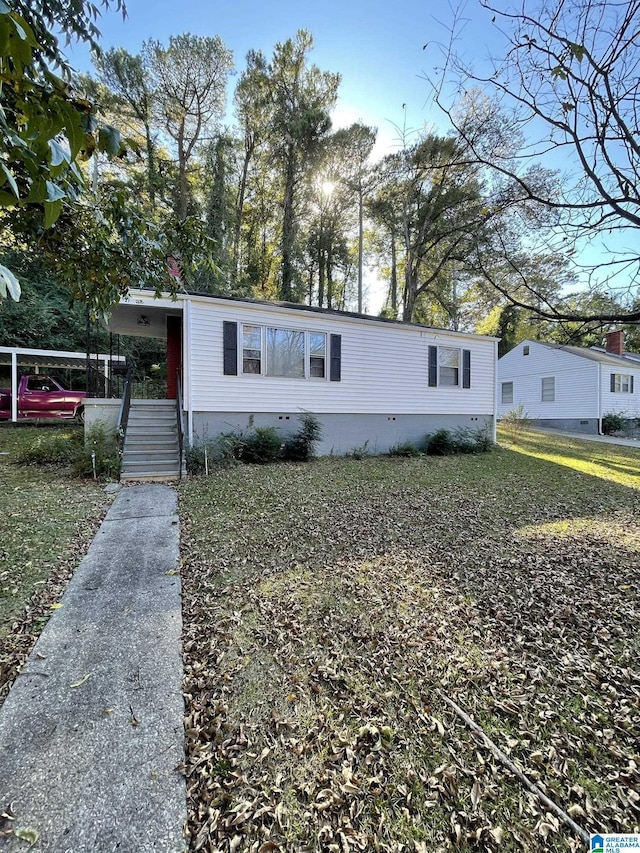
(621, 383)
(270, 351)
(525, 349)
(549, 389)
(449, 367)
(507, 392)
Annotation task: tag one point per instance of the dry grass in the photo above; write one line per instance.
(47, 521)
(327, 605)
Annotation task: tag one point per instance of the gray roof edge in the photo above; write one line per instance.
(331, 312)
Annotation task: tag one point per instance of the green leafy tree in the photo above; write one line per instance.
(44, 128)
(189, 82)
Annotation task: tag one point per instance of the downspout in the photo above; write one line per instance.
(14, 386)
(599, 393)
(495, 392)
(186, 366)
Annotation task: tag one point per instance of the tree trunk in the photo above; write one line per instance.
(242, 189)
(394, 277)
(360, 241)
(288, 229)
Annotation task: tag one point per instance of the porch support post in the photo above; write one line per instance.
(14, 386)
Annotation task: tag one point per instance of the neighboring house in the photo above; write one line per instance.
(369, 381)
(570, 387)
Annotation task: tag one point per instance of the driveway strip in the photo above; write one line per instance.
(91, 733)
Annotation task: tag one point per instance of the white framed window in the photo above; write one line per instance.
(251, 349)
(317, 355)
(279, 352)
(548, 389)
(622, 383)
(448, 366)
(507, 392)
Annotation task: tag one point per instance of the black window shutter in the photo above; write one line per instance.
(433, 367)
(613, 382)
(230, 348)
(335, 367)
(466, 368)
(631, 386)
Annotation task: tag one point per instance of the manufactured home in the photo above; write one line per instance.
(370, 382)
(567, 387)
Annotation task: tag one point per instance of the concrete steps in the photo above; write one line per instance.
(151, 447)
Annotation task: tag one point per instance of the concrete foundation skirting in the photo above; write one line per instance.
(589, 426)
(377, 433)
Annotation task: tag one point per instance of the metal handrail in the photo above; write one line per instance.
(123, 416)
(180, 419)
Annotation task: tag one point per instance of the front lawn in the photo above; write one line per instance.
(330, 607)
(47, 521)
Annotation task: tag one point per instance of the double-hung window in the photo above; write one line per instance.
(621, 383)
(507, 392)
(449, 367)
(548, 389)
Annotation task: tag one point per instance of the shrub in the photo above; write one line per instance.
(515, 421)
(361, 452)
(300, 447)
(461, 440)
(221, 450)
(261, 446)
(440, 443)
(613, 422)
(106, 463)
(404, 448)
(55, 448)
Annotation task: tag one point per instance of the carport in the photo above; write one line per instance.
(105, 365)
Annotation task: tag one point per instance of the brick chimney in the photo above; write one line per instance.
(615, 342)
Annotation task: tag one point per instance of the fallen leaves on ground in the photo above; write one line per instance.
(326, 605)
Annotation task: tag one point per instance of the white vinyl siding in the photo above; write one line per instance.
(575, 381)
(384, 366)
(582, 384)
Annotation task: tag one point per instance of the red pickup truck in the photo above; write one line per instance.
(43, 397)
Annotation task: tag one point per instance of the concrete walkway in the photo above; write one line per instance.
(92, 730)
(603, 439)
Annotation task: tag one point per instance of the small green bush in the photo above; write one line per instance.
(55, 448)
(300, 447)
(361, 452)
(261, 446)
(222, 450)
(613, 422)
(461, 440)
(440, 443)
(405, 449)
(107, 461)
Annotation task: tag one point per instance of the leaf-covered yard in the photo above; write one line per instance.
(47, 522)
(330, 607)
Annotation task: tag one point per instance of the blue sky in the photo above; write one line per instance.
(376, 46)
